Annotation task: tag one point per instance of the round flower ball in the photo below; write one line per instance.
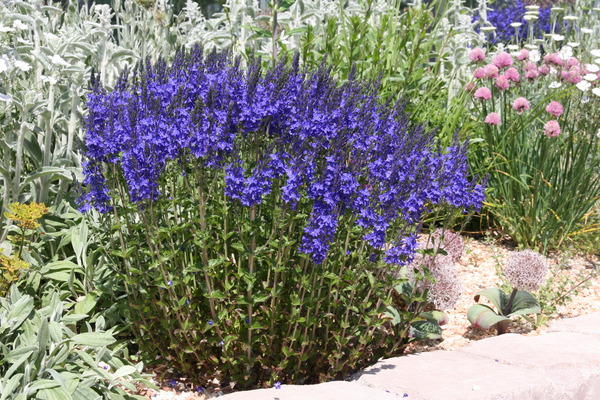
(526, 270)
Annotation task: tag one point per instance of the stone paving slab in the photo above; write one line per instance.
(563, 365)
(585, 324)
(450, 375)
(337, 390)
(569, 360)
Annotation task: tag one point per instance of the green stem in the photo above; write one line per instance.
(509, 305)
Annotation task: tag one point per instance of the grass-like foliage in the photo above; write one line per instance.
(260, 217)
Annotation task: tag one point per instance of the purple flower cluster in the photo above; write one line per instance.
(332, 147)
(503, 14)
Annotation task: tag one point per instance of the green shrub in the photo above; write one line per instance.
(42, 356)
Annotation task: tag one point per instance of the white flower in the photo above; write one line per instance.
(19, 25)
(558, 38)
(534, 55)
(104, 365)
(49, 79)
(555, 85)
(570, 18)
(488, 28)
(584, 86)
(597, 60)
(592, 68)
(516, 24)
(586, 30)
(595, 52)
(6, 29)
(3, 63)
(566, 52)
(585, 99)
(58, 60)
(512, 47)
(5, 98)
(596, 91)
(573, 44)
(590, 77)
(531, 18)
(22, 65)
(557, 9)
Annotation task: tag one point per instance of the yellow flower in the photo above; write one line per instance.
(26, 214)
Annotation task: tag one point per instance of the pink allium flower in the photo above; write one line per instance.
(572, 62)
(544, 70)
(532, 74)
(477, 54)
(523, 55)
(479, 73)
(575, 79)
(528, 66)
(552, 128)
(512, 74)
(483, 93)
(502, 60)
(492, 119)
(565, 75)
(491, 71)
(502, 83)
(555, 108)
(469, 87)
(521, 104)
(552, 58)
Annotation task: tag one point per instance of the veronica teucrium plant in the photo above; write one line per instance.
(260, 217)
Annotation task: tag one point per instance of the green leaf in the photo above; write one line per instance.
(57, 393)
(524, 303)
(94, 339)
(124, 370)
(393, 314)
(43, 384)
(484, 317)
(496, 296)
(9, 387)
(425, 330)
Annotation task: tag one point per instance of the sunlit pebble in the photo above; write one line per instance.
(590, 77)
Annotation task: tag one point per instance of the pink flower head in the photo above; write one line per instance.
(552, 58)
(491, 71)
(512, 74)
(575, 79)
(492, 119)
(469, 87)
(552, 128)
(483, 93)
(572, 62)
(520, 104)
(479, 73)
(523, 55)
(477, 54)
(502, 83)
(502, 60)
(528, 65)
(544, 70)
(565, 75)
(532, 74)
(555, 108)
